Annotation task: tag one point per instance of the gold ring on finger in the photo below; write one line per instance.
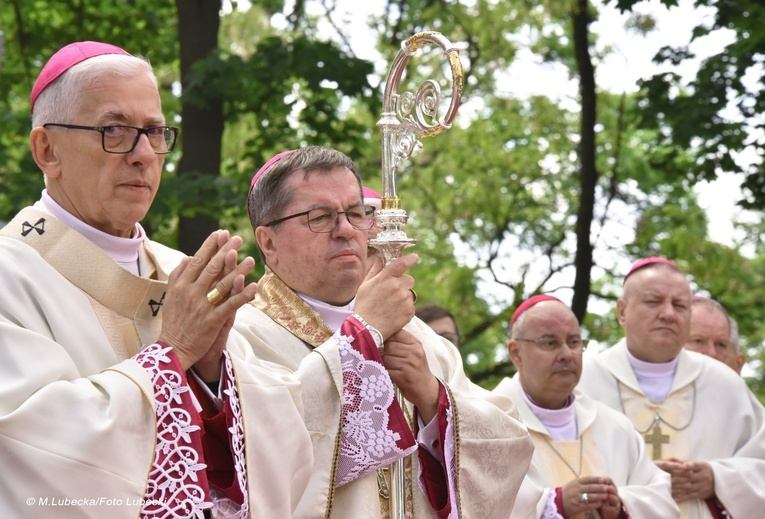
(214, 297)
(413, 294)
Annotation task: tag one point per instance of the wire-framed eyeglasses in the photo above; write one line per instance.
(123, 139)
(550, 344)
(324, 219)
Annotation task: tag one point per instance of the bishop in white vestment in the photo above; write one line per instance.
(609, 446)
(709, 415)
(698, 418)
(585, 451)
(87, 403)
(100, 413)
(320, 314)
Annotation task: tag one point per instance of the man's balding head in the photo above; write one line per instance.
(546, 346)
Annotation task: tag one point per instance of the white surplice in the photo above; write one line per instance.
(710, 415)
(611, 448)
(78, 429)
(487, 451)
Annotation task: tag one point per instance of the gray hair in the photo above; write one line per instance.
(712, 305)
(519, 326)
(61, 101)
(270, 196)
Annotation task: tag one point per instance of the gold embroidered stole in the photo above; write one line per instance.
(286, 308)
(127, 306)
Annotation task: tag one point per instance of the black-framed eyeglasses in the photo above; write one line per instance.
(550, 344)
(324, 219)
(123, 139)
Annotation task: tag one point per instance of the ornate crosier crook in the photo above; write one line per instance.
(403, 123)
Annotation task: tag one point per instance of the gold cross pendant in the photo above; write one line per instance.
(656, 439)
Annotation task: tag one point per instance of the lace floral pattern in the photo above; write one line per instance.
(368, 440)
(551, 509)
(177, 483)
(221, 504)
(450, 460)
(379, 424)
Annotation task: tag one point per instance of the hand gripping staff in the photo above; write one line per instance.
(407, 118)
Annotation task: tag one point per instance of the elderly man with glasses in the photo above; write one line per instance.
(116, 398)
(347, 327)
(589, 459)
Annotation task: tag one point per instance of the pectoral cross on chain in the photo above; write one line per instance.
(656, 440)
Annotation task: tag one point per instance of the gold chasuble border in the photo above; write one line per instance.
(275, 299)
(457, 443)
(286, 308)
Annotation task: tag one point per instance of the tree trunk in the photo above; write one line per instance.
(198, 23)
(588, 174)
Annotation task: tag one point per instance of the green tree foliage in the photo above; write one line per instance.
(701, 127)
(32, 31)
(501, 191)
(716, 113)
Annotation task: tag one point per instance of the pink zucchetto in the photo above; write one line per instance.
(370, 193)
(66, 58)
(639, 264)
(372, 197)
(529, 303)
(276, 158)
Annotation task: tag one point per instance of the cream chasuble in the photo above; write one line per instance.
(607, 446)
(95, 421)
(486, 449)
(710, 415)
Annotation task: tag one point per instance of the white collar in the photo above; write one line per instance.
(560, 423)
(655, 378)
(122, 250)
(332, 315)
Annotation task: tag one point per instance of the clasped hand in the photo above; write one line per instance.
(601, 494)
(195, 328)
(690, 479)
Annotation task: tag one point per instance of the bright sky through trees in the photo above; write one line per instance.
(629, 61)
